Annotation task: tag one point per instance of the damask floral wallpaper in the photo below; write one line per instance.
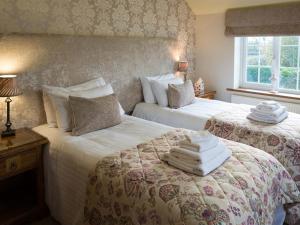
(142, 18)
(44, 59)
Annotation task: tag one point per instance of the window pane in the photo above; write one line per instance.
(289, 40)
(288, 78)
(253, 50)
(266, 51)
(265, 75)
(289, 56)
(253, 40)
(253, 60)
(252, 74)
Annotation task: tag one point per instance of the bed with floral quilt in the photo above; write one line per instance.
(280, 140)
(135, 187)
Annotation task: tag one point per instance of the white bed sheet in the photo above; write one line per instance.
(69, 159)
(193, 116)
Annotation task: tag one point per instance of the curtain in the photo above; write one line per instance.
(268, 20)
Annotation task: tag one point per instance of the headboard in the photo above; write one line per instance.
(63, 60)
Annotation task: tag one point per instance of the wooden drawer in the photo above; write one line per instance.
(18, 163)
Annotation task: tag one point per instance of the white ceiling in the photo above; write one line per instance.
(202, 7)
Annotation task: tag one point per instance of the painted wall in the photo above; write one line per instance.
(214, 54)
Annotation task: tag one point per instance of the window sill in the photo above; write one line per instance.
(265, 93)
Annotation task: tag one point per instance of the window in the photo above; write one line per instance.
(267, 59)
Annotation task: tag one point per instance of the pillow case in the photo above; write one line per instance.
(160, 89)
(60, 102)
(147, 89)
(48, 105)
(181, 94)
(94, 114)
(88, 85)
(49, 110)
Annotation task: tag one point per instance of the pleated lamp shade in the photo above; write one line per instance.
(8, 86)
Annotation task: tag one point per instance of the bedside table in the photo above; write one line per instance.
(21, 177)
(207, 94)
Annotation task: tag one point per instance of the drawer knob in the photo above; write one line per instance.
(12, 164)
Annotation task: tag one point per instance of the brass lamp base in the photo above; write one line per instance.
(8, 132)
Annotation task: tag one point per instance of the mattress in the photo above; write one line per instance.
(193, 116)
(69, 159)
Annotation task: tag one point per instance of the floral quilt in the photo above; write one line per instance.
(281, 140)
(135, 187)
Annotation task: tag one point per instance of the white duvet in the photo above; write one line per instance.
(193, 116)
(69, 160)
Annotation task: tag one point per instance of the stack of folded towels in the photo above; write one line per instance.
(268, 112)
(200, 153)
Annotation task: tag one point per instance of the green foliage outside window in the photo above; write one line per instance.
(288, 78)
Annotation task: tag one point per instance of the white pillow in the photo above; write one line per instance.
(88, 85)
(160, 90)
(147, 89)
(50, 113)
(60, 101)
(49, 108)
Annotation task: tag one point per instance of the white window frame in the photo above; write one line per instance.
(275, 68)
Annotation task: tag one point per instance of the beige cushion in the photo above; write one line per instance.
(94, 114)
(181, 94)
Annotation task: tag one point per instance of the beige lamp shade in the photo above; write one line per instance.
(8, 86)
(183, 66)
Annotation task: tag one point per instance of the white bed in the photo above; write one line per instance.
(193, 116)
(69, 160)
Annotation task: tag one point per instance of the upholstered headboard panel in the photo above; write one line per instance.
(63, 60)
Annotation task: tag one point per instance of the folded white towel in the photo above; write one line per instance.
(198, 136)
(200, 146)
(201, 169)
(268, 119)
(268, 106)
(273, 114)
(271, 102)
(197, 157)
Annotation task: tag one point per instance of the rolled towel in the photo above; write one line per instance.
(201, 169)
(200, 146)
(197, 157)
(268, 119)
(274, 114)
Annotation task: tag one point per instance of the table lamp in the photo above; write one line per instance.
(183, 67)
(8, 88)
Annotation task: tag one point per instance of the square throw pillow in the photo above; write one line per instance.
(180, 95)
(147, 89)
(89, 115)
(160, 89)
